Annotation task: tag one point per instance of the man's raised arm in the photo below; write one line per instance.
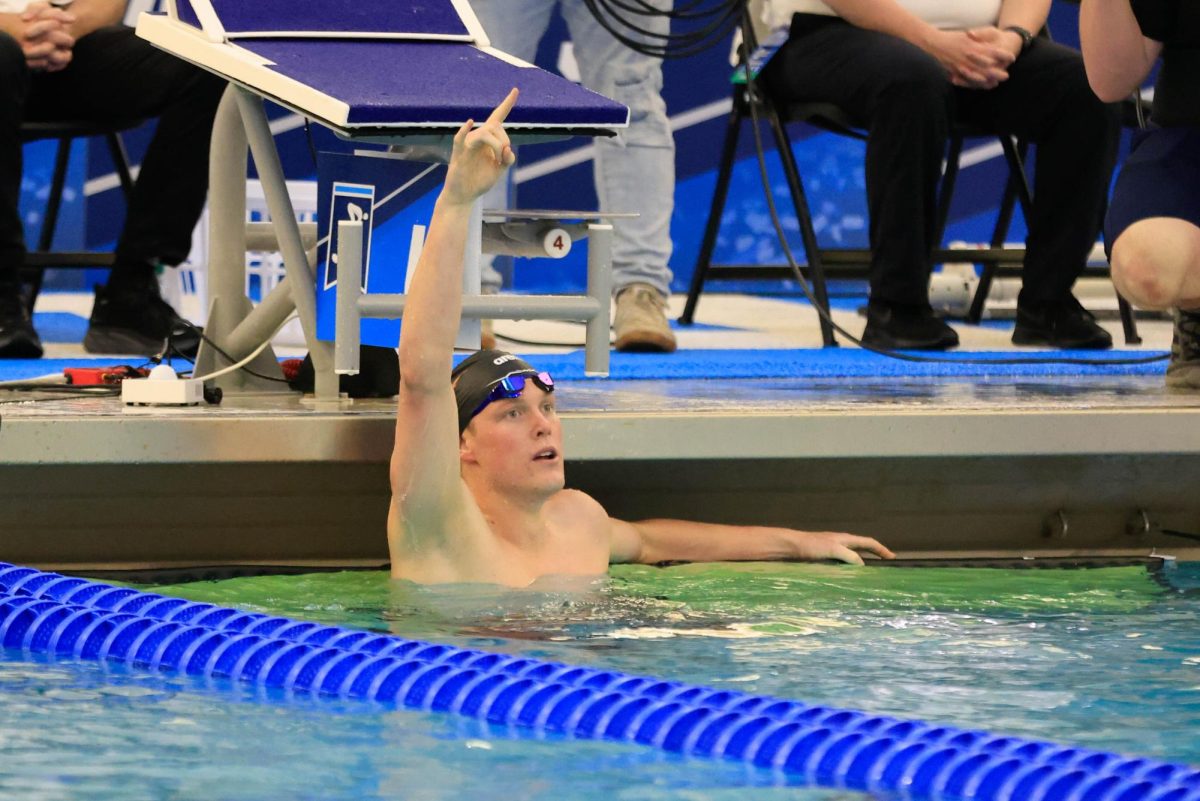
(425, 466)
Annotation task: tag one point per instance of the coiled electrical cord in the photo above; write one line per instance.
(708, 22)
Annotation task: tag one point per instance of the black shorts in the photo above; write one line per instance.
(1161, 178)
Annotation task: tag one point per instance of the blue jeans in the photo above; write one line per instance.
(635, 170)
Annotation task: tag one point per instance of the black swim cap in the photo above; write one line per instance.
(475, 376)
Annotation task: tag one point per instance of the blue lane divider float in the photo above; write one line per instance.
(53, 614)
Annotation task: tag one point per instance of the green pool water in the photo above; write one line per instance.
(1107, 658)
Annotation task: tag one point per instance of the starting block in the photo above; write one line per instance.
(399, 72)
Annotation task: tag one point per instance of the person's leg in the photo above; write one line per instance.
(18, 340)
(904, 99)
(1153, 237)
(1046, 100)
(114, 74)
(635, 172)
(1156, 263)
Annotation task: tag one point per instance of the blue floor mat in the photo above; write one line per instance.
(694, 364)
(837, 363)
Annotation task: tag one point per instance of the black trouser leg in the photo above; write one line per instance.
(1046, 100)
(14, 85)
(902, 96)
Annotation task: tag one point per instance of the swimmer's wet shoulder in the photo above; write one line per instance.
(570, 537)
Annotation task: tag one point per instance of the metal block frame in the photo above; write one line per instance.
(236, 328)
(593, 308)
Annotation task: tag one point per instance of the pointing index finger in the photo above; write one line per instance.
(500, 113)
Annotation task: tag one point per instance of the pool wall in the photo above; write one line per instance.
(78, 517)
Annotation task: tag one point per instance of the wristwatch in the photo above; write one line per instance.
(1026, 36)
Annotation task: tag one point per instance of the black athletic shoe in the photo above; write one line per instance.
(896, 326)
(1065, 325)
(137, 322)
(18, 339)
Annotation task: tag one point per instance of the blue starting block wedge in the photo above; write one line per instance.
(443, 19)
(373, 67)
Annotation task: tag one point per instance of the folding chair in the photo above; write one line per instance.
(831, 117)
(39, 260)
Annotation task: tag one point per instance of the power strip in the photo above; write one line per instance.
(162, 388)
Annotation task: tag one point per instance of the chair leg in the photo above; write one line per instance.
(120, 158)
(946, 190)
(1016, 188)
(1014, 153)
(62, 156)
(1128, 322)
(33, 276)
(808, 235)
(713, 227)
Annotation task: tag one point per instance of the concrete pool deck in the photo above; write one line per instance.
(933, 466)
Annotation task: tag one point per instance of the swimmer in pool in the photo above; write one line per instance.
(477, 472)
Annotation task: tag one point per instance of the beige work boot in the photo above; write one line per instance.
(641, 321)
(1183, 372)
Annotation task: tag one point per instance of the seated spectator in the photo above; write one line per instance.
(77, 62)
(1153, 226)
(908, 70)
(477, 468)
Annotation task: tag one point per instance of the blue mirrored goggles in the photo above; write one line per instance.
(511, 386)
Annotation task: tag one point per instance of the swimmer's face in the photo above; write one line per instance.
(517, 442)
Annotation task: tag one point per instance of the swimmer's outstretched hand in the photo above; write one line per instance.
(481, 155)
(816, 546)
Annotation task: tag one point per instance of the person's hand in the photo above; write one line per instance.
(1010, 41)
(968, 62)
(45, 38)
(480, 155)
(815, 546)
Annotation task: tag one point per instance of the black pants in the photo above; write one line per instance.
(115, 75)
(906, 101)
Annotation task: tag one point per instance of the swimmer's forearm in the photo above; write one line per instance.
(686, 541)
(434, 306)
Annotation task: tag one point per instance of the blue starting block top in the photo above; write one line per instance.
(432, 83)
(385, 18)
(375, 67)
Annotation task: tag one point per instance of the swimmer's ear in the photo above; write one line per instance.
(465, 452)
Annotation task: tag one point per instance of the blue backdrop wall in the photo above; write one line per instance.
(697, 93)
